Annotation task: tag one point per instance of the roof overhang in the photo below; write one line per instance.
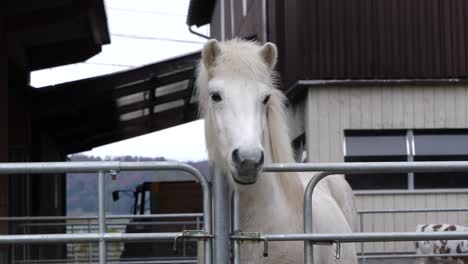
(92, 112)
(297, 91)
(56, 32)
(200, 12)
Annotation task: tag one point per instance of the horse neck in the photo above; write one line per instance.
(273, 191)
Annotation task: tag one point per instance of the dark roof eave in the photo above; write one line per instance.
(200, 12)
(296, 91)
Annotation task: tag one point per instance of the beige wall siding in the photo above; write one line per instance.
(331, 110)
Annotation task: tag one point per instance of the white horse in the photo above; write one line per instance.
(245, 127)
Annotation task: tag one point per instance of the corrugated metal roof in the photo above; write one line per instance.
(371, 39)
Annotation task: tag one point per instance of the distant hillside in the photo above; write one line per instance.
(82, 187)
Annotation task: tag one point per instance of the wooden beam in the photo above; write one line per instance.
(155, 82)
(3, 93)
(4, 180)
(184, 94)
(94, 90)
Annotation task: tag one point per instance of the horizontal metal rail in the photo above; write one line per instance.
(93, 167)
(417, 210)
(366, 237)
(88, 237)
(370, 167)
(391, 256)
(181, 223)
(61, 218)
(158, 260)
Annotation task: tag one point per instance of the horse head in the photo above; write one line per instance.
(236, 93)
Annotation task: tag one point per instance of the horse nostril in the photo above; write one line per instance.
(260, 162)
(235, 157)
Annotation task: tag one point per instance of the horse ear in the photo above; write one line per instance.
(210, 51)
(269, 54)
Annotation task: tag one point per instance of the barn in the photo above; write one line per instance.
(38, 35)
(367, 81)
(370, 81)
(47, 124)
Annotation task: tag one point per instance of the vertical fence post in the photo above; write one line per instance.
(221, 221)
(90, 245)
(361, 229)
(102, 217)
(308, 224)
(236, 224)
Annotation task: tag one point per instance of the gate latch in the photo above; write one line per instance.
(253, 237)
(191, 235)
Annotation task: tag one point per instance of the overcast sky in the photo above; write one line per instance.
(142, 32)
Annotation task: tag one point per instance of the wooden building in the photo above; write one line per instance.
(36, 35)
(370, 80)
(49, 123)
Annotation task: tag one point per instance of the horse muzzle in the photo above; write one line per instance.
(247, 165)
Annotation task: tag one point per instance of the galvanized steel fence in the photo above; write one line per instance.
(364, 255)
(221, 239)
(76, 253)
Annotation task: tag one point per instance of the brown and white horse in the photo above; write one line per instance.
(442, 246)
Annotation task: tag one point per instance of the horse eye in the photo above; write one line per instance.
(216, 97)
(266, 99)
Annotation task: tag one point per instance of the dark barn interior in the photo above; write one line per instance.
(49, 123)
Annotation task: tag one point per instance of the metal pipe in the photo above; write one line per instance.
(223, 20)
(81, 238)
(308, 225)
(90, 246)
(410, 156)
(197, 33)
(102, 217)
(207, 214)
(93, 166)
(221, 202)
(264, 21)
(339, 168)
(231, 14)
(115, 260)
(61, 218)
(236, 224)
(364, 167)
(378, 256)
(419, 210)
(184, 223)
(361, 229)
(367, 237)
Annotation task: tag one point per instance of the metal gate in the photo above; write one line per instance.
(218, 244)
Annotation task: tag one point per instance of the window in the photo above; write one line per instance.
(407, 145)
(441, 145)
(372, 146)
